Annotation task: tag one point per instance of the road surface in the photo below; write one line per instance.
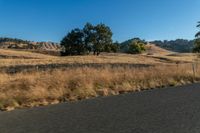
(170, 110)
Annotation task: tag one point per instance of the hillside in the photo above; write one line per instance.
(152, 49)
(18, 54)
(10, 43)
(124, 46)
(178, 45)
(51, 48)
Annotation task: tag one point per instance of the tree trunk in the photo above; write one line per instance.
(98, 53)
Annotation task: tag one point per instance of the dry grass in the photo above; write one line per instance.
(104, 58)
(153, 49)
(115, 58)
(74, 83)
(10, 54)
(42, 88)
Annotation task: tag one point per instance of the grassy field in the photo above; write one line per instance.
(30, 79)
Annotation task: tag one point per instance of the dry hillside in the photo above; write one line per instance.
(153, 49)
(29, 79)
(30, 45)
(18, 54)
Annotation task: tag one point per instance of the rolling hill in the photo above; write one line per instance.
(178, 45)
(153, 49)
(50, 48)
(30, 45)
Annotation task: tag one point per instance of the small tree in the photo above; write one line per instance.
(136, 47)
(197, 41)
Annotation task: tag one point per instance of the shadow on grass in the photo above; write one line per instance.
(31, 68)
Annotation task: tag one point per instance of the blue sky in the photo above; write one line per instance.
(50, 20)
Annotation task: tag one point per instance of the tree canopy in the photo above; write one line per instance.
(91, 38)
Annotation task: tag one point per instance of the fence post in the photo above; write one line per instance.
(193, 69)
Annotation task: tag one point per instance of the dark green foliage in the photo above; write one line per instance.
(88, 31)
(91, 38)
(102, 37)
(178, 45)
(74, 43)
(113, 47)
(198, 25)
(198, 33)
(197, 41)
(197, 46)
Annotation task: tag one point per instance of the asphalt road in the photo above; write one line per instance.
(171, 110)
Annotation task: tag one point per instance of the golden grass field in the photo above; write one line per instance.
(110, 74)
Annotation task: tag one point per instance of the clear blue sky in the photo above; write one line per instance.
(50, 20)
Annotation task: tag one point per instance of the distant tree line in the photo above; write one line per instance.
(178, 45)
(3, 40)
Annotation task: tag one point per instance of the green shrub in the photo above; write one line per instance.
(136, 47)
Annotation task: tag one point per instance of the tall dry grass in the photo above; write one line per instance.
(41, 88)
(39, 59)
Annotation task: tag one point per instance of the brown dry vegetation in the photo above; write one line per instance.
(27, 89)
